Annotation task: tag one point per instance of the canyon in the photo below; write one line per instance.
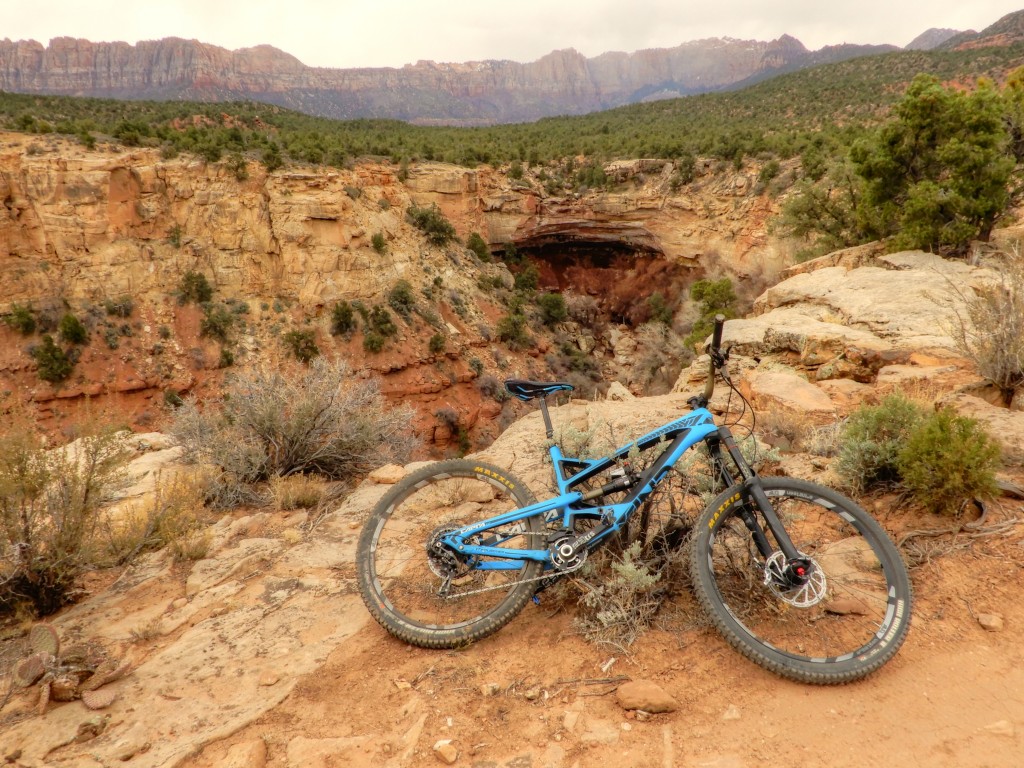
(80, 229)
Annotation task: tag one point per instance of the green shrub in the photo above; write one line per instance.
(52, 362)
(769, 171)
(373, 342)
(226, 358)
(716, 297)
(528, 278)
(119, 307)
(552, 308)
(71, 330)
(872, 440)
(437, 343)
(21, 319)
(512, 330)
(217, 321)
(238, 166)
(353, 192)
(401, 298)
(174, 235)
(194, 287)
(272, 159)
(947, 461)
(432, 223)
(343, 319)
(660, 310)
(302, 344)
(380, 321)
(380, 245)
(478, 245)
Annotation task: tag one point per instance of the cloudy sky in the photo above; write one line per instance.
(390, 33)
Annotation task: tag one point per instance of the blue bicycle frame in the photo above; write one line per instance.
(571, 504)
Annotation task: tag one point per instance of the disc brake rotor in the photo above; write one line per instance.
(811, 592)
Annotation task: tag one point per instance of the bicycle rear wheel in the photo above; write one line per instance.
(427, 595)
(850, 618)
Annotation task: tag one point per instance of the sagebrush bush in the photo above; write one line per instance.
(48, 520)
(872, 440)
(992, 333)
(622, 605)
(320, 419)
(948, 460)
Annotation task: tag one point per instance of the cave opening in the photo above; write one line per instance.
(618, 275)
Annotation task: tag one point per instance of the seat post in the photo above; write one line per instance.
(550, 430)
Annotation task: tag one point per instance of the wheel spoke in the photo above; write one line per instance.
(852, 608)
(419, 588)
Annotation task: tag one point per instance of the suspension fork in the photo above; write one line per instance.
(753, 491)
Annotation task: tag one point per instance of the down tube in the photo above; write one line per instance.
(692, 436)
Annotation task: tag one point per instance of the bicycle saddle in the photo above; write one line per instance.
(527, 390)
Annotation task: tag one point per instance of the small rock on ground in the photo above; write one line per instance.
(645, 695)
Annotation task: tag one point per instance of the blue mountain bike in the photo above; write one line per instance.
(797, 577)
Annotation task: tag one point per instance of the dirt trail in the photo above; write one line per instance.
(954, 696)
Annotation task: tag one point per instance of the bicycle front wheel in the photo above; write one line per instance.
(848, 619)
(427, 595)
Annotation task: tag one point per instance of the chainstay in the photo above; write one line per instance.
(558, 573)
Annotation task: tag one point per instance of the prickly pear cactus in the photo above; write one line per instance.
(78, 673)
(30, 669)
(99, 699)
(42, 638)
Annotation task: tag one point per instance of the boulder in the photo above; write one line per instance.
(1006, 426)
(775, 389)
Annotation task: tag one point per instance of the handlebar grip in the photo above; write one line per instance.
(716, 338)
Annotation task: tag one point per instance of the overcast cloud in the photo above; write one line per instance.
(391, 33)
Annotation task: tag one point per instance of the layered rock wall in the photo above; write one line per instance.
(562, 82)
(80, 225)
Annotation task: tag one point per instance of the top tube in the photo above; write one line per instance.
(699, 420)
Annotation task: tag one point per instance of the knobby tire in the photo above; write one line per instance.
(399, 575)
(858, 616)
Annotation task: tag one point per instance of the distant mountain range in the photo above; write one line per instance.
(473, 93)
